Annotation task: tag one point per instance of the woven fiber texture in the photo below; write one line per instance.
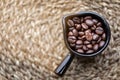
(32, 44)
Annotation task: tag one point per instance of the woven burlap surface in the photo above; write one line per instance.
(32, 44)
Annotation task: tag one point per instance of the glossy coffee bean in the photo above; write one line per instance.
(99, 24)
(89, 22)
(82, 19)
(72, 37)
(78, 46)
(89, 51)
(70, 23)
(95, 37)
(81, 38)
(78, 26)
(104, 36)
(71, 40)
(84, 26)
(75, 32)
(80, 51)
(88, 17)
(99, 30)
(86, 42)
(95, 21)
(85, 48)
(101, 43)
(99, 39)
(70, 34)
(88, 36)
(76, 19)
(71, 28)
(93, 27)
(72, 45)
(95, 47)
(81, 33)
(78, 42)
(89, 46)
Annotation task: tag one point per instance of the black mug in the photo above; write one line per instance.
(61, 69)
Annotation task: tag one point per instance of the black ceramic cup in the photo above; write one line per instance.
(61, 69)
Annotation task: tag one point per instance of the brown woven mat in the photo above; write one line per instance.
(32, 46)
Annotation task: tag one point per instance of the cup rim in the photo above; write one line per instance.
(82, 13)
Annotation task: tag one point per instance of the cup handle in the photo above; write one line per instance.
(61, 69)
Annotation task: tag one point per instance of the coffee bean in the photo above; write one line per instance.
(83, 37)
(93, 42)
(89, 51)
(71, 28)
(72, 37)
(89, 46)
(89, 22)
(99, 30)
(79, 42)
(93, 27)
(81, 33)
(81, 19)
(95, 37)
(85, 48)
(88, 36)
(104, 36)
(88, 31)
(78, 26)
(99, 24)
(70, 23)
(80, 51)
(76, 19)
(86, 42)
(88, 17)
(71, 40)
(70, 34)
(84, 26)
(101, 43)
(78, 46)
(72, 45)
(95, 47)
(99, 40)
(75, 32)
(95, 21)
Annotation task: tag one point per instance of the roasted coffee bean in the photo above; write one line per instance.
(95, 21)
(86, 42)
(72, 45)
(75, 32)
(88, 36)
(99, 30)
(71, 40)
(81, 33)
(76, 19)
(89, 51)
(95, 47)
(81, 19)
(101, 43)
(89, 22)
(85, 48)
(89, 46)
(78, 26)
(83, 37)
(84, 26)
(78, 46)
(71, 28)
(93, 42)
(99, 40)
(70, 23)
(88, 31)
(93, 27)
(99, 24)
(104, 36)
(70, 34)
(79, 42)
(88, 17)
(95, 37)
(72, 37)
(80, 51)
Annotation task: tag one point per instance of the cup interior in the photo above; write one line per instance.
(82, 14)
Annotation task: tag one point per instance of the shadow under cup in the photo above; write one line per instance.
(61, 69)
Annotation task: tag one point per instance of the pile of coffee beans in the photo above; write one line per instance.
(86, 34)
